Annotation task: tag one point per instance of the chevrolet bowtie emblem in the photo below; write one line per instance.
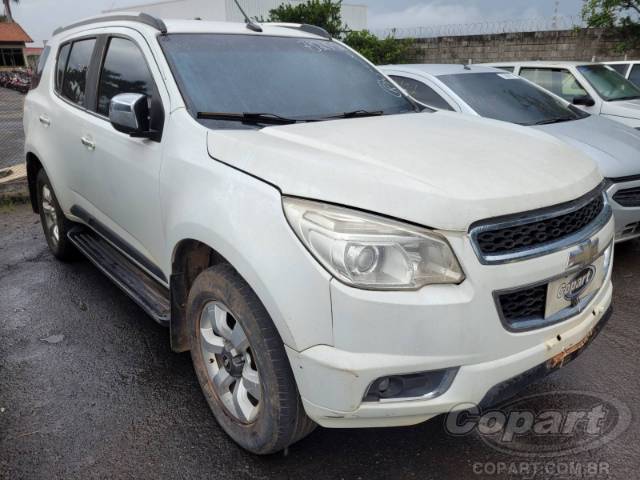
(585, 254)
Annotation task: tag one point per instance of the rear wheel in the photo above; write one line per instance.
(241, 364)
(54, 224)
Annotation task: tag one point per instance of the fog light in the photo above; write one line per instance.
(414, 386)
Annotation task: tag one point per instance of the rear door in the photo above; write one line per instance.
(124, 187)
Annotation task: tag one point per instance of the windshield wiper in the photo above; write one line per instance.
(358, 114)
(549, 121)
(253, 118)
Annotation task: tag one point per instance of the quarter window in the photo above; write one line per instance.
(75, 75)
(559, 81)
(421, 92)
(63, 56)
(124, 71)
(11, 57)
(37, 75)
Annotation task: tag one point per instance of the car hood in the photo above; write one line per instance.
(441, 170)
(624, 108)
(614, 147)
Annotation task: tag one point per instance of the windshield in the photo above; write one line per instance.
(294, 78)
(609, 84)
(506, 97)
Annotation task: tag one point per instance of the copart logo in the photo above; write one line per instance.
(544, 425)
(574, 288)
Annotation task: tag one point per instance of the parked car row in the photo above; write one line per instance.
(328, 249)
(499, 95)
(19, 80)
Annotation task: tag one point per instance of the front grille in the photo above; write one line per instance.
(521, 235)
(629, 197)
(523, 304)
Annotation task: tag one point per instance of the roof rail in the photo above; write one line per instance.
(144, 18)
(314, 30)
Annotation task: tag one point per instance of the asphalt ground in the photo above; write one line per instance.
(90, 389)
(11, 131)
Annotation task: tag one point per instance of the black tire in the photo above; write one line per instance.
(281, 419)
(60, 246)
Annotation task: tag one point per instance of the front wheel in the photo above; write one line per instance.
(241, 364)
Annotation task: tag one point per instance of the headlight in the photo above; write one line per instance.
(367, 251)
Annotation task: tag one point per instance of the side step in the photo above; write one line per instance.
(144, 290)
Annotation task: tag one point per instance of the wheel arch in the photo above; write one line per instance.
(189, 258)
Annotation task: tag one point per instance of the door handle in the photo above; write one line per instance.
(87, 142)
(44, 120)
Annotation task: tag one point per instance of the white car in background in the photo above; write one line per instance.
(493, 93)
(628, 69)
(595, 88)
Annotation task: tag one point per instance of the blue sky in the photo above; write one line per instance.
(41, 17)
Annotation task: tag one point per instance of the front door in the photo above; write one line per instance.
(127, 170)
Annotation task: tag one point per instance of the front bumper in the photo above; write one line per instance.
(442, 326)
(627, 218)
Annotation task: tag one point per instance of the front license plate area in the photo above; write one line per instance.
(569, 290)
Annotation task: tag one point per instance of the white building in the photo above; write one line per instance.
(354, 16)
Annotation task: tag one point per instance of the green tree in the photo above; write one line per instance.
(623, 15)
(321, 13)
(326, 14)
(379, 51)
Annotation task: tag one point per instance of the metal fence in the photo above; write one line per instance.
(484, 28)
(11, 133)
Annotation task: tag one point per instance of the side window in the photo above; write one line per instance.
(75, 75)
(63, 56)
(124, 71)
(423, 93)
(634, 76)
(559, 81)
(621, 68)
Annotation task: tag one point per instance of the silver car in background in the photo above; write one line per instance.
(500, 95)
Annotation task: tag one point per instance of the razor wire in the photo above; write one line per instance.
(484, 28)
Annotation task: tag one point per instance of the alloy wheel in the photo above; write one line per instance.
(50, 215)
(230, 363)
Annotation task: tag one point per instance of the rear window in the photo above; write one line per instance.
(75, 75)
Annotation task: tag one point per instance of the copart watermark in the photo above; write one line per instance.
(544, 426)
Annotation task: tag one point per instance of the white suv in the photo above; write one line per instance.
(328, 253)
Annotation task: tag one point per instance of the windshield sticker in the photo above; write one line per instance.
(508, 76)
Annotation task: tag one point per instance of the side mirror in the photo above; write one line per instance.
(129, 113)
(584, 100)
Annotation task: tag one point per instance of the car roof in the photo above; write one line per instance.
(193, 26)
(441, 69)
(542, 63)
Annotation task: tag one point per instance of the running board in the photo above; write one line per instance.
(152, 297)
